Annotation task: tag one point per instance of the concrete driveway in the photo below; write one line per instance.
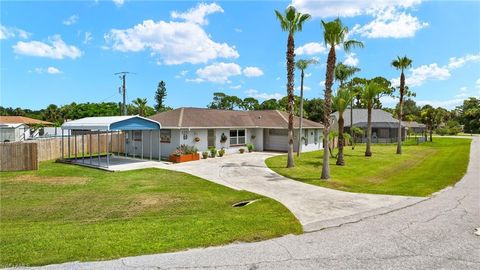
(315, 207)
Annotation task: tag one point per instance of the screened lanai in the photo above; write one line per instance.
(109, 141)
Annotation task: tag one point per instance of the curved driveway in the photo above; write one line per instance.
(437, 233)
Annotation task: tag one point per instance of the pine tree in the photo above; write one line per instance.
(160, 96)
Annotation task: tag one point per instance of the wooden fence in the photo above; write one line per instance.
(16, 156)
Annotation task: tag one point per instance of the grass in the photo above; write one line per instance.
(66, 213)
(419, 171)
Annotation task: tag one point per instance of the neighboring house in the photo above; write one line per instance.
(19, 128)
(204, 128)
(384, 126)
(415, 127)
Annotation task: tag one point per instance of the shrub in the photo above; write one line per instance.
(242, 150)
(223, 138)
(205, 155)
(250, 147)
(213, 152)
(221, 152)
(185, 150)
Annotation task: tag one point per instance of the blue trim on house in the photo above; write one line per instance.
(136, 123)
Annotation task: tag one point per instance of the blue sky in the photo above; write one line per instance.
(62, 52)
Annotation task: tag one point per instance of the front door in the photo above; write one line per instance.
(211, 137)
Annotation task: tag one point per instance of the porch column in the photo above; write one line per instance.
(107, 146)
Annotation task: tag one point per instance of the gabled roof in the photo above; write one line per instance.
(380, 118)
(132, 122)
(413, 124)
(210, 118)
(22, 120)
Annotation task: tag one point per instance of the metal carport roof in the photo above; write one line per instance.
(112, 123)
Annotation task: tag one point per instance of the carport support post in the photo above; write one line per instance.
(107, 139)
(141, 138)
(68, 143)
(150, 148)
(159, 146)
(118, 142)
(98, 147)
(75, 145)
(90, 145)
(133, 143)
(83, 149)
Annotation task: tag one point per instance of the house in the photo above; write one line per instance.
(414, 127)
(384, 126)
(19, 128)
(231, 130)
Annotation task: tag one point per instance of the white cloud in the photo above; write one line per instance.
(71, 20)
(351, 60)
(311, 48)
(119, 3)
(457, 62)
(477, 83)
(49, 70)
(238, 30)
(305, 88)
(447, 104)
(388, 101)
(252, 72)
(174, 42)
(308, 75)
(278, 78)
(329, 8)
(57, 49)
(236, 86)
(182, 74)
(197, 14)
(217, 73)
(11, 32)
(390, 23)
(256, 94)
(88, 38)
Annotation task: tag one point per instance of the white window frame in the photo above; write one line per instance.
(237, 137)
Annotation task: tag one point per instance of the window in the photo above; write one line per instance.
(165, 135)
(315, 138)
(305, 136)
(185, 135)
(277, 132)
(137, 135)
(237, 136)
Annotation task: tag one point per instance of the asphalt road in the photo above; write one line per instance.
(437, 233)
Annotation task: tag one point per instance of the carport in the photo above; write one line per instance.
(103, 142)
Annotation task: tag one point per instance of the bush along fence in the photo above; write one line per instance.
(17, 156)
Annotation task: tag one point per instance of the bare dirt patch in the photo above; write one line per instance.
(51, 180)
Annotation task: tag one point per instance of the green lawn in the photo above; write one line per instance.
(419, 171)
(67, 213)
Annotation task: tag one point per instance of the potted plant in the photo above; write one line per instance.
(242, 150)
(205, 154)
(213, 152)
(221, 152)
(223, 138)
(197, 139)
(250, 147)
(184, 153)
(253, 137)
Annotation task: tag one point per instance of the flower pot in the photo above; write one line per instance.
(184, 158)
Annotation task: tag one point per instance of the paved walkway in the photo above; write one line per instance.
(437, 233)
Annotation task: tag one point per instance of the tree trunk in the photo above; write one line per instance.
(400, 114)
(290, 86)
(341, 139)
(301, 117)
(431, 132)
(328, 110)
(351, 125)
(368, 151)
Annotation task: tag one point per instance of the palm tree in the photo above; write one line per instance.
(334, 34)
(401, 63)
(302, 65)
(291, 22)
(341, 101)
(342, 74)
(141, 104)
(370, 92)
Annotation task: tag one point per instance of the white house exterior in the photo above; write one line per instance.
(204, 128)
(19, 128)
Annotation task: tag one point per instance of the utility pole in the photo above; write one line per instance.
(123, 90)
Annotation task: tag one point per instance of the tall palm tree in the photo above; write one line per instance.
(291, 22)
(341, 101)
(141, 104)
(401, 63)
(370, 92)
(342, 74)
(302, 65)
(334, 34)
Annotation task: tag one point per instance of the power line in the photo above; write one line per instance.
(123, 88)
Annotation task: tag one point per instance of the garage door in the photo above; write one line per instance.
(276, 140)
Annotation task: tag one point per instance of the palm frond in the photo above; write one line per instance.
(349, 44)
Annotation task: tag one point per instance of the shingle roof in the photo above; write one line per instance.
(22, 120)
(380, 118)
(210, 118)
(413, 124)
